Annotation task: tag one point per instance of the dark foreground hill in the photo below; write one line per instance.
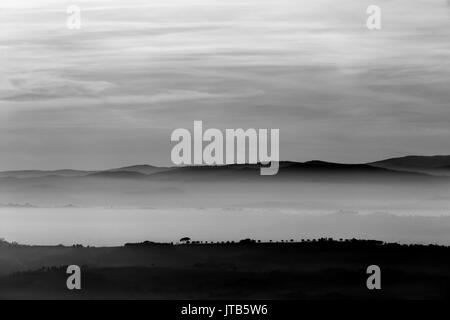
(322, 269)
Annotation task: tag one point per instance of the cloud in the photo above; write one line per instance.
(45, 86)
(310, 68)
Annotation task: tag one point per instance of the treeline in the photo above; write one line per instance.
(323, 242)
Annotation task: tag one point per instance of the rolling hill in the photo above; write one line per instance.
(407, 168)
(435, 165)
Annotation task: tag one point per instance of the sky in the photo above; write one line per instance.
(111, 93)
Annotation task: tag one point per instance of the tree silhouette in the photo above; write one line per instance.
(185, 240)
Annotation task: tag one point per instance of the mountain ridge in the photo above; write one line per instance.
(422, 166)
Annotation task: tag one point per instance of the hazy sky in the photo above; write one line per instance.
(111, 93)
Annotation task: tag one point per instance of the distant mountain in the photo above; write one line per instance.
(395, 169)
(436, 165)
(144, 169)
(118, 174)
(416, 161)
(141, 169)
(306, 185)
(301, 171)
(44, 173)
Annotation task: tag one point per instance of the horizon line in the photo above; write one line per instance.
(227, 164)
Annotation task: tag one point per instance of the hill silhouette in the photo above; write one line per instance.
(302, 171)
(318, 269)
(410, 168)
(434, 165)
(415, 162)
(118, 174)
(44, 173)
(309, 184)
(144, 169)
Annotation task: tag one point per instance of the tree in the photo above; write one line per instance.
(185, 240)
